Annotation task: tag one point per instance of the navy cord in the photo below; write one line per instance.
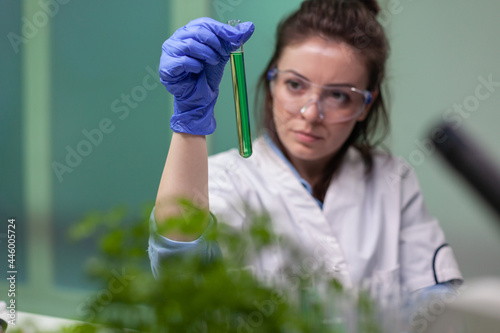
(434, 261)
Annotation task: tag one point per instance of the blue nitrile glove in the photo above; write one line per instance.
(191, 67)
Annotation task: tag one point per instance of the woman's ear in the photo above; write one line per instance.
(368, 106)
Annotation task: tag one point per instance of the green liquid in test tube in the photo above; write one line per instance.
(240, 99)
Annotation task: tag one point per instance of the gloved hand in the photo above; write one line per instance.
(191, 67)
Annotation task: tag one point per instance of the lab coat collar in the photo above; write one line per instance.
(346, 187)
(280, 154)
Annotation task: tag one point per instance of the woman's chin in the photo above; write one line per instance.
(306, 152)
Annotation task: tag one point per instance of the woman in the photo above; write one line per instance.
(355, 209)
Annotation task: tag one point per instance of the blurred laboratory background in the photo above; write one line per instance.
(84, 121)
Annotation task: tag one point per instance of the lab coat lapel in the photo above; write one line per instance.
(287, 184)
(308, 223)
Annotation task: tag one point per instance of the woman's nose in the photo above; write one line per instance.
(312, 111)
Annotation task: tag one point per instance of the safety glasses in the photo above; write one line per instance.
(335, 103)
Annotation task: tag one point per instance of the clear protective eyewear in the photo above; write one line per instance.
(335, 103)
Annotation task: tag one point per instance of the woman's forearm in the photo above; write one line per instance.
(185, 175)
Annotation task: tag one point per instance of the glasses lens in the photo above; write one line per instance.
(338, 103)
(341, 103)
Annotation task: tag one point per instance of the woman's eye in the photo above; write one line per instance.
(339, 96)
(294, 85)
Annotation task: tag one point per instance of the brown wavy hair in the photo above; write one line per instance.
(354, 23)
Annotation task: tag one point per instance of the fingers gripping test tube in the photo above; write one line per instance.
(240, 99)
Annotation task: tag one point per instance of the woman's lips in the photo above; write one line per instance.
(306, 137)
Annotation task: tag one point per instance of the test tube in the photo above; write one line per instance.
(240, 98)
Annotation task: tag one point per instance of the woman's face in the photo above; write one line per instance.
(305, 135)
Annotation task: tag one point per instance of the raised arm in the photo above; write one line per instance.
(191, 68)
(185, 175)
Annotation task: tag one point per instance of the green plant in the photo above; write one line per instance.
(221, 296)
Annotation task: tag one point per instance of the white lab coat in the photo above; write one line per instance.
(372, 230)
